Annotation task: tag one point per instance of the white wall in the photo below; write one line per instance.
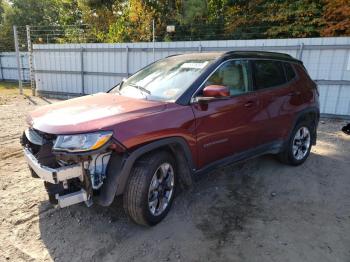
(8, 66)
(59, 66)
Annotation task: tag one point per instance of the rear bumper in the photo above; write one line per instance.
(53, 175)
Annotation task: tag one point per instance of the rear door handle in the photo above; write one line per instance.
(295, 93)
(249, 104)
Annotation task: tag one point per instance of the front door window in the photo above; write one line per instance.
(232, 74)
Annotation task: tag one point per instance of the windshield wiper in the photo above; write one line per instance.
(115, 89)
(140, 88)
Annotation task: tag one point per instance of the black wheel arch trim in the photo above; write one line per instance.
(301, 114)
(120, 166)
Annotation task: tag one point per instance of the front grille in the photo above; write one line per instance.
(40, 144)
(48, 137)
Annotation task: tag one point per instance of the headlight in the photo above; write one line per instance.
(82, 142)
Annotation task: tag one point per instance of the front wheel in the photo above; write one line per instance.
(151, 188)
(299, 145)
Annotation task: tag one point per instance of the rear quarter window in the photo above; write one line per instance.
(290, 73)
(268, 73)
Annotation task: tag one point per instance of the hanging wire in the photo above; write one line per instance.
(201, 29)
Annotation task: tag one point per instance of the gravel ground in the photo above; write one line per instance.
(259, 210)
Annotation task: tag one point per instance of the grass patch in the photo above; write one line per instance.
(11, 88)
(8, 85)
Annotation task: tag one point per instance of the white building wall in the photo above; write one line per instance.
(8, 66)
(91, 68)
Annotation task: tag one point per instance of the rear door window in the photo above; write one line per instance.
(290, 73)
(268, 73)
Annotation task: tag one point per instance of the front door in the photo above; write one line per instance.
(226, 126)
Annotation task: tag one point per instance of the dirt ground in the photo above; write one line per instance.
(259, 210)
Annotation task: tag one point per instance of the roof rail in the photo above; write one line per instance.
(262, 54)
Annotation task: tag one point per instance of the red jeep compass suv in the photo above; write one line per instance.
(169, 122)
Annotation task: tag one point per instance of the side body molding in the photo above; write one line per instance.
(119, 167)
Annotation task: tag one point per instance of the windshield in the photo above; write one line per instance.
(164, 80)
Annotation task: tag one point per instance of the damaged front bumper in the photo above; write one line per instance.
(53, 175)
(60, 175)
(68, 178)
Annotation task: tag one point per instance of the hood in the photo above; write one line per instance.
(90, 113)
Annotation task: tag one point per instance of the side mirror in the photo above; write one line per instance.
(214, 92)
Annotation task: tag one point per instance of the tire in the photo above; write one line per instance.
(144, 185)
(289, 155)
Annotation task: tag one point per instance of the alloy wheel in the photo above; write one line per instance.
(161, 189)
(301, 143)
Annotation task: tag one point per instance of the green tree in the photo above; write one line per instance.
(1, 10)
(337, 18)
(131, 20)
(119, 30)
(198, 19)
(28, 12)
(102, 16)
(293, 18)
(274, 18)
(6, 35)
(70, 12)
(34, 12)
(243, 19)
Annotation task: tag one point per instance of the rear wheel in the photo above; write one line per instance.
(151, 188)
(299, 145)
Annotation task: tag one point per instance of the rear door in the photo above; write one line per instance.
(274, 83)
(226, 127)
